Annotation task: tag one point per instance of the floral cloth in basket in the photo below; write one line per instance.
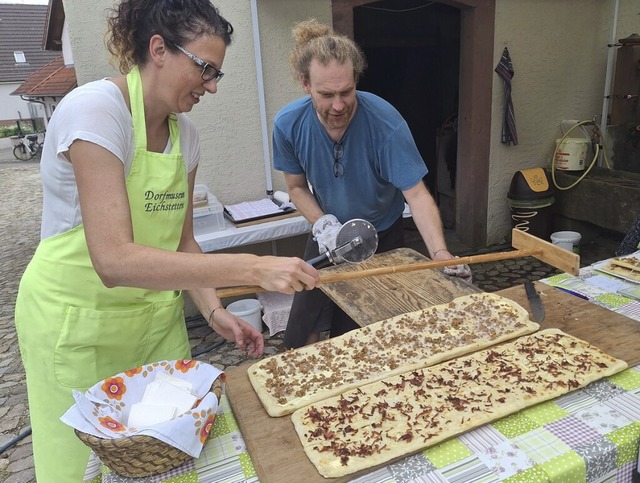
(103, 410)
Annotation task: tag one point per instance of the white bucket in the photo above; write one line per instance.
(569, 240)
(248, 310)
(571, 154)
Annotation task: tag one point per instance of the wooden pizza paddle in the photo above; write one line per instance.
(525, 245)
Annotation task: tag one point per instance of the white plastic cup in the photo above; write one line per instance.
(569, 240)
(248, 310)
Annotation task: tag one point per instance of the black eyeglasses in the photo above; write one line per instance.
(209, 72)
(338, 167)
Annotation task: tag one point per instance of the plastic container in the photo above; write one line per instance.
(200, 195)
(569, 240)
(571, 154)
(531, 200)
(209, 218)
(248, 310)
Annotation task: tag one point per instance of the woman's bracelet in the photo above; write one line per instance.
(213, 312)
(438, 251)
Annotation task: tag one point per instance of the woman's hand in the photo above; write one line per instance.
(236, 330)
(286, 275)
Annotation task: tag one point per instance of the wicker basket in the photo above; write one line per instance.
(139, 455)
(135, 456)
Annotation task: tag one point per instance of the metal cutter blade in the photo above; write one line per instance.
(362, 231)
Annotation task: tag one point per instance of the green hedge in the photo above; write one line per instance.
(12, 130)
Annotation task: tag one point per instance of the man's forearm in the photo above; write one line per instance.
(306, 204)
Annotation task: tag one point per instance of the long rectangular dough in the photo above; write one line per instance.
(403, 414)
(290, 380)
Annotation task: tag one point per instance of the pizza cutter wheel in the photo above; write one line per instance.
(356, 242)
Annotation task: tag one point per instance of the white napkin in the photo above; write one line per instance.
(104, 409)
(276, 310)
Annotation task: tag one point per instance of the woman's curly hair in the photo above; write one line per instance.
(133, 22)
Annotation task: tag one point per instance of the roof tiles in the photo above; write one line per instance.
(54, 80)
(22, 28)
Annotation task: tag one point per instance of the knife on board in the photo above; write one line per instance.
(534, 301)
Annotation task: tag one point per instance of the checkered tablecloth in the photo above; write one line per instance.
(223, 459)
(589, 435)
(592, 434)
(600, 288)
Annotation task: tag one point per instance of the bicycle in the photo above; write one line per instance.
(30, 146)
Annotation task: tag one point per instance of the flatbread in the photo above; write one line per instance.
(293, 379)
(629, 262)
(627, 268)
(397, 416)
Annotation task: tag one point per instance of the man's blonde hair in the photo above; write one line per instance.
(318, 41)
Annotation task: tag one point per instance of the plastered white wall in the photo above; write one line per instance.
(559, 54)
(12, 107)
(558, 49)
(232, 160)
(276, 19)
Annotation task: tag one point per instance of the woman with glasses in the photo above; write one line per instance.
(358, 155)
(102, 293)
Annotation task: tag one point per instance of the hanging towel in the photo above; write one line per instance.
(505, 70)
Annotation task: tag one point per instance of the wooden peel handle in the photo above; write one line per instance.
(410, 267)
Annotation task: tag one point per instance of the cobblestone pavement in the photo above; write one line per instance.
(19, 228)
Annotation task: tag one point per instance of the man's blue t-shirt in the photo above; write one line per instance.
(380, 159)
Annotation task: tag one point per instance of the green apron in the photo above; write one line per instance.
(73, 331)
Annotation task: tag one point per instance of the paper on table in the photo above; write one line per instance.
(253, 209)
(608, 283)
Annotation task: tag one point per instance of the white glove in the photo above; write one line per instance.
(325, 231)
(461, 271)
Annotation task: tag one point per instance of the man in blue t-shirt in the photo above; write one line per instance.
(347, 154)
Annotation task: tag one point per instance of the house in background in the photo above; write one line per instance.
(22, 29)
(47, 86)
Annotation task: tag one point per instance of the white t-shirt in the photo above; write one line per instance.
(94, 112)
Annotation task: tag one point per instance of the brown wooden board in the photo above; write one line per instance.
(274, 446)
(615, 334)
(371, 299)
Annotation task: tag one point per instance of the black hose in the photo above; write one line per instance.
(21, 436)
(209, 348)
(196, 321)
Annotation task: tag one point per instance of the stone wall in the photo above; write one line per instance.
(609, 199)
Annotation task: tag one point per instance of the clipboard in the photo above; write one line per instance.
(250, 211)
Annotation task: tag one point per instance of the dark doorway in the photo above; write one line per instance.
(471, 24)
(413, 51)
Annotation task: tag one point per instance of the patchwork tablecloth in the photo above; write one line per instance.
(589, 435)
(592, 434)
(223, 459)
(601, 289)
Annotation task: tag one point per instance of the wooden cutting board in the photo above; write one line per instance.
(274, 446)
(613, 333)
(371, 299)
